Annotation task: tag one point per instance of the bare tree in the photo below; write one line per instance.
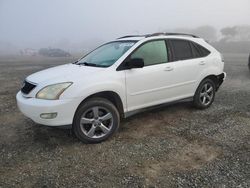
(236, 33)
(207, 32)
(229, 31)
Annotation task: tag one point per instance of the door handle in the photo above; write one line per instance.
(168, 69)
(202, 63)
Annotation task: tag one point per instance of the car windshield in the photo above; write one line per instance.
(107, 54)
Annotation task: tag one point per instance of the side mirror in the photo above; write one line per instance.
(135, 63)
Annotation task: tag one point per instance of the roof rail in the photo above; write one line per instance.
(127, 36)
(168, 34)
(155, 34)
(159, 34)
(184, 34)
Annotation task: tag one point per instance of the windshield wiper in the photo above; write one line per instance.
(90, 64)
(87, 64)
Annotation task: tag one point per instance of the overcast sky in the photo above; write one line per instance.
(28, 22)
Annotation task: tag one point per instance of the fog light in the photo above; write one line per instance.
(48, 115)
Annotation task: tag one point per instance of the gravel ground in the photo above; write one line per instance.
(172, 146)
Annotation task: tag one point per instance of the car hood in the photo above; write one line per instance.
(63, 73)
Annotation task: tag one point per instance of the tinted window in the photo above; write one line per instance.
(196, 51)
(204, 52)
(181, 50)
(154, 52)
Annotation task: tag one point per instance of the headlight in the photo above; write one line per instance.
(53, 92)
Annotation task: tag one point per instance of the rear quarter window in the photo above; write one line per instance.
(203, 52)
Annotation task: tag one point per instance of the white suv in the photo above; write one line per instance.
(130, 73)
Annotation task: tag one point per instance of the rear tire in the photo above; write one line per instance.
(205, 94)
(96, 120)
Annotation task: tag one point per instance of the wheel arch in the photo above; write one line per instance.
(217, 79)
(212, 77)
(111, 96)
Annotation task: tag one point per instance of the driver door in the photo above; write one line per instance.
(149, 85)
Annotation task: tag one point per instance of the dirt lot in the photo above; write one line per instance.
(174, 146)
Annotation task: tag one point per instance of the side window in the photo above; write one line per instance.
(181, 50)
(203, 51)
(196, 51)
(152, 53)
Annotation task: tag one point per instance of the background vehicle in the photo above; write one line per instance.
(128, 74)
(53, 52)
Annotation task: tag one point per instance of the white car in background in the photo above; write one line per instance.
(130, 73)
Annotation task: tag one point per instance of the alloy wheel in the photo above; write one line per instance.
(206, 94)
(96, 122)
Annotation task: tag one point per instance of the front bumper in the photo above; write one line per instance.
(33, 108)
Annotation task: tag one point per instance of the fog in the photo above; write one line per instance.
(79, 24)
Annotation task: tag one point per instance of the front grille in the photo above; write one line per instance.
(27, 87)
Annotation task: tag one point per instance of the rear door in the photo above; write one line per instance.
(187, 65)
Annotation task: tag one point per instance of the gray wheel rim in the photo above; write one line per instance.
(206, 94)
(96, 122)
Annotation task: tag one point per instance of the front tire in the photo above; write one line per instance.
(96, 120)
(205, 94)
